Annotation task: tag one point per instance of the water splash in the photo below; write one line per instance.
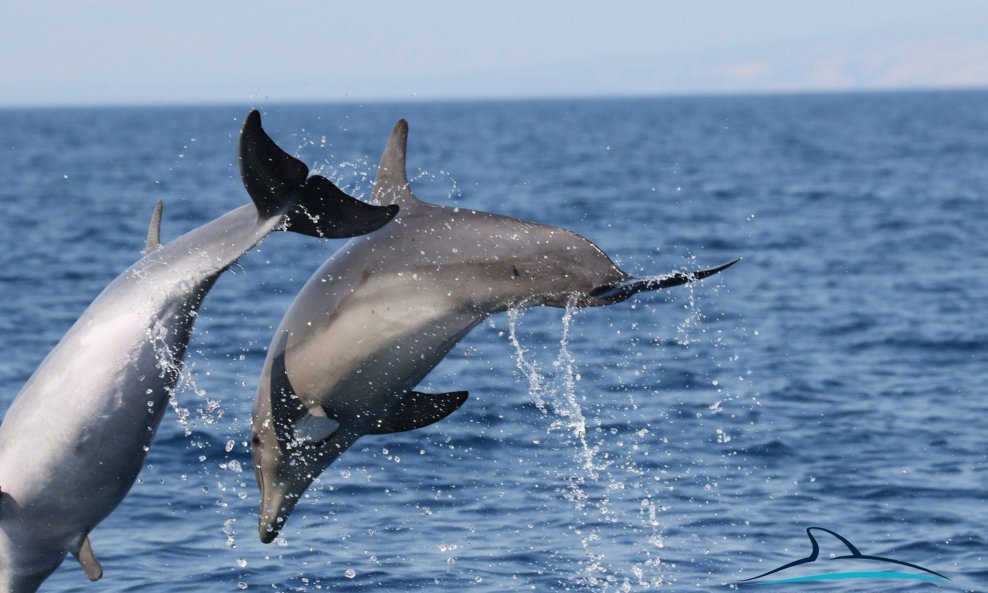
(530, 370)
(685, 329)
(608, 462)
(204, 413)
(566, 405)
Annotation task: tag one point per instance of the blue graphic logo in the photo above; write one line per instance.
(854, 565)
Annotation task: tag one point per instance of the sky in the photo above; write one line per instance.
(116, 52)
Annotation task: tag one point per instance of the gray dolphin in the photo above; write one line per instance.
(387, 307)
(75, 437)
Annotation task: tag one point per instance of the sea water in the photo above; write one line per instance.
(683, 440)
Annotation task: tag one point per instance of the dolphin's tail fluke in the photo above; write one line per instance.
(614, 293)
(280, 185)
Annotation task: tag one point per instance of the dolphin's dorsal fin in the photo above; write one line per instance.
(87, 560)
(154, 229)
(391, 185)
(416, 409)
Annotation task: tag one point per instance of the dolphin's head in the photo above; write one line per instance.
(267, 459)
(290, 445)
(284, 471)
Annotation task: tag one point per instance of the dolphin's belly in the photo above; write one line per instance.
(74, 439)
(373, 350)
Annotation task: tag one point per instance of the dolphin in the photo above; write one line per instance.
(75, 437)
(381, 313)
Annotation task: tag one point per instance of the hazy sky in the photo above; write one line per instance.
(179, 51)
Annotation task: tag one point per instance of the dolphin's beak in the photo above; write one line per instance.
(272, 513)
(276, 506)
(267, 532)
(280, 492)
(615, 293)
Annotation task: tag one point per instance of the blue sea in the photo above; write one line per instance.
(837, 377)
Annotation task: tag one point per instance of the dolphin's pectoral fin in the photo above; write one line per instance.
(416, 410)
(87, 560)
(326, 211)
(315, 426)
(154, 229)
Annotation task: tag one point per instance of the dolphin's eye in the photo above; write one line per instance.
(514, 272)
(256, 440)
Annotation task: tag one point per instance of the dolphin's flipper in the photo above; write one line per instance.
(315, 427)
(87, 560)
(154, 229)
(279, 184)
(416, 410)
(391, 185)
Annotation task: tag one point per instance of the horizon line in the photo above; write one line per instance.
(140, 104)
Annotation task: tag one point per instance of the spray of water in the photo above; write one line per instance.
(603, 468)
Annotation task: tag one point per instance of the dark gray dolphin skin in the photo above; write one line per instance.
(75, 437)
(387, 307)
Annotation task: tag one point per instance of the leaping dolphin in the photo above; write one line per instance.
(387, 307)
(75, 437)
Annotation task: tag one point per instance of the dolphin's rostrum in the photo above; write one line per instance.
(74, 438)
(387, 307)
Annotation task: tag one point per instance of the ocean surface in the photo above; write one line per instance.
(837, 377)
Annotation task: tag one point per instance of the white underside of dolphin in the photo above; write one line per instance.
(387, 307)
(75, 437)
